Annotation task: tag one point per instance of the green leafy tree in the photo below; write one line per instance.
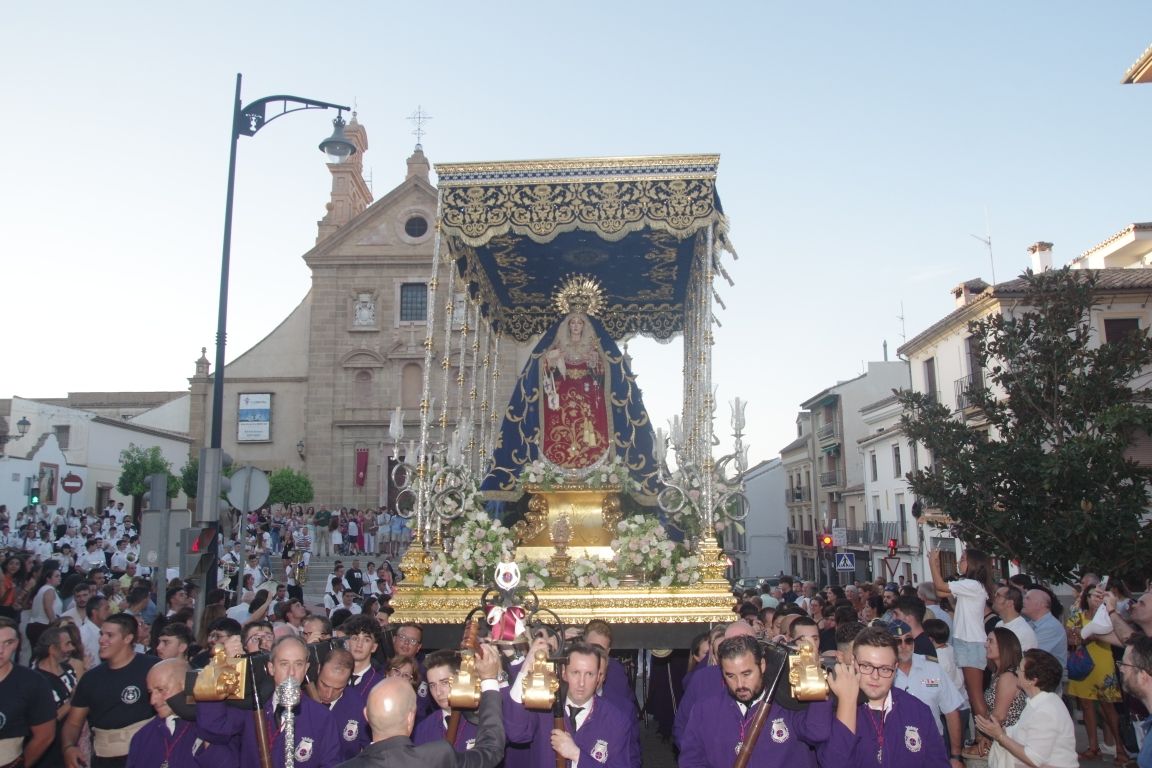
(190, 476)
(136, 464)
(1042, 477)
(287, 486)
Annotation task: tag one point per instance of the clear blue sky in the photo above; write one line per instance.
(861, 145)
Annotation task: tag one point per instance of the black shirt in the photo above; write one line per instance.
(116, 698)
(25, 701)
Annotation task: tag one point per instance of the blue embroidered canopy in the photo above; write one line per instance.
(517, 229)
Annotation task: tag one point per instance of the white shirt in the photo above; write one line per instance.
(969, 615)
(240, 613)
(927, 681)
(1020, 627)
(90, 639)
(1046, 731)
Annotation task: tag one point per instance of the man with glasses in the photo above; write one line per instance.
(316, 629)
(891, 728)
(406, 642)
(258, 637)
(1136, 675)
(719, 725)
(1008, 602)
(926, 680)
(347, 709)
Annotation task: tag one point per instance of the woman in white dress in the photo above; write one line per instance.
(1045, 734)
(47, 605)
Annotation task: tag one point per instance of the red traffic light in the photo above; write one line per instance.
(891, 543)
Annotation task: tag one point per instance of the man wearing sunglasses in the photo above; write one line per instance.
(926, 680)
(891, 728)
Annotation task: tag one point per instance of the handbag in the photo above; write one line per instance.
(1080, 663)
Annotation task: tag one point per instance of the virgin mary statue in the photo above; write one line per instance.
(575, 405)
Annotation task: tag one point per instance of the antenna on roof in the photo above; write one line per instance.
(987, 240)
(903, 325)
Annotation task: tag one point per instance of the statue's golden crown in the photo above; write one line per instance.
(579, 293)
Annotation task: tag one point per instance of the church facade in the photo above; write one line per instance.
(319, 392)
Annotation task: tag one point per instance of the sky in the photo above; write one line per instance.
(865, 147)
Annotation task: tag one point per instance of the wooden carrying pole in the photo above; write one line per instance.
(559, 721)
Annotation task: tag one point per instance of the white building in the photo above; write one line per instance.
(762, 550)
(943, 357)
(838, 496)
(64, 441)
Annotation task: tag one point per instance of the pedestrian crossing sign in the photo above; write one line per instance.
(846, 561)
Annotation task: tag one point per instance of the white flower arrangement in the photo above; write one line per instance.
(593, 573)
(534, 574)
(478, 543)
(643, 548)
(612, 473)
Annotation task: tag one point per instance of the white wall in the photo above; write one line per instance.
(766, 528)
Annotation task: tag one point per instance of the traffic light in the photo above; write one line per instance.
(891, 547)
(826, 541)
(32, 490)
(195, 550)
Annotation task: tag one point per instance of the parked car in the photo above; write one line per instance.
(759, 583)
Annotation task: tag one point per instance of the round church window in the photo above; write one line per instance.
(416, 226)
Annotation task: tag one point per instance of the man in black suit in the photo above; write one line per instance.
(392, 714)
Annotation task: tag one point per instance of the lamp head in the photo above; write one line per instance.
(23, 425)
(337, 146)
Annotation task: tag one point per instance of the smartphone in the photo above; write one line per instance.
(1104, 583)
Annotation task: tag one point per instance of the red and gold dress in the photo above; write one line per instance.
(575, 412)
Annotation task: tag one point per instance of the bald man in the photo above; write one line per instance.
(317, 734)
(706, 681)
(391, 713)
(166, 739)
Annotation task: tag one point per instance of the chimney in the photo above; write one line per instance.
(1041, 256)
(968, 291)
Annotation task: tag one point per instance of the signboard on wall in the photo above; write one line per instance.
(254, 417)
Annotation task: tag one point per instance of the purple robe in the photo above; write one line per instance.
(716, 728)
(606, 737)
(348, 715)
(705, 682)
(317, 735)
(434, 728)
(153, 745)
(910, 737)
(617, 688)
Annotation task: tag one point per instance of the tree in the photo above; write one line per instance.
(287, 486)
(1044, 478)
(136, 464)
(190, 477)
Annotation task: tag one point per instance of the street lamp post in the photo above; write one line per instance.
(246, 121)
(21, 427)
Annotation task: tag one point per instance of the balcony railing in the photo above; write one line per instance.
(796, 536)
(875, 535)
(965, 387)
(829, 479)
(797, 495)
(827, 432)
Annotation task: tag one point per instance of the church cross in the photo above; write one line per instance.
(419, 118)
